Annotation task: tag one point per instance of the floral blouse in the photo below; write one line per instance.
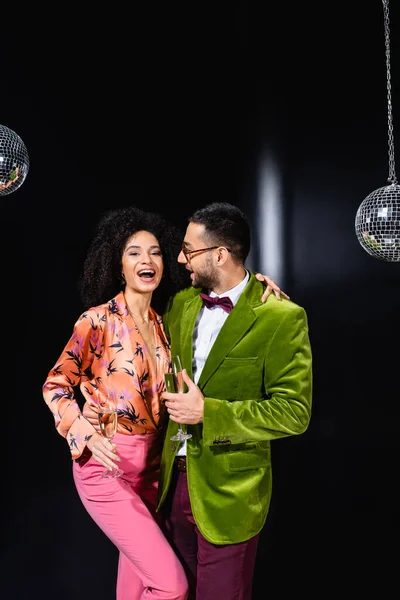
(106, 350)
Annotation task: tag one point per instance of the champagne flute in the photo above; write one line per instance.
(108, 422)
(174, 383)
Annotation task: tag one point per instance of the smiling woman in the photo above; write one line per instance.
(118, 345)
(102, 271)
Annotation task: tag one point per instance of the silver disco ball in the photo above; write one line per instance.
(14, 161)
(378, 223)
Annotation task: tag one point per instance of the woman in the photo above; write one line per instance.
(118, 345)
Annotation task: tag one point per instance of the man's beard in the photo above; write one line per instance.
(207, 280)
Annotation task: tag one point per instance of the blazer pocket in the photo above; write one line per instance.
(239, 369)
(253, 457)
(230, 361)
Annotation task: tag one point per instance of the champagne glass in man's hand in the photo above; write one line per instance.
(174, 384)
(108, 421)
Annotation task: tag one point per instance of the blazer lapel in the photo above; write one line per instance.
(188, 321)
(239, 321)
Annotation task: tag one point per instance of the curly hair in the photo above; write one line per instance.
(101, 275)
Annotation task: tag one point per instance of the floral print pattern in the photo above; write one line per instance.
(106, 351)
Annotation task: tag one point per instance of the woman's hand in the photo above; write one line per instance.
(271, 287)
(103, 451)
(91, 415)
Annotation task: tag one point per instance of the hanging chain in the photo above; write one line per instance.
(392, 172)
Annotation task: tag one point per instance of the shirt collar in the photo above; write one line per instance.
(235, 292)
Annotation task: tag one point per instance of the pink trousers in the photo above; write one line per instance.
(123, 508)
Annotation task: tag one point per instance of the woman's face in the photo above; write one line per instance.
(142, 262)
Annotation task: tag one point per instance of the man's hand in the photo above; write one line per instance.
(271, 287)
(186, 407)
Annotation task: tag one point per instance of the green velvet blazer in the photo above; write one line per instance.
(257, 387)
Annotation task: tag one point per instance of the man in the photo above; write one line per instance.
(248, 374)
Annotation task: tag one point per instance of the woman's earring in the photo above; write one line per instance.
(123, 280)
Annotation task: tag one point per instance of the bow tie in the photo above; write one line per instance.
(225, 302)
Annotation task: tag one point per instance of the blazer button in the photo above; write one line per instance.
(173, 448)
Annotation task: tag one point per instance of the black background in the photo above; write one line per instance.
(167, 107)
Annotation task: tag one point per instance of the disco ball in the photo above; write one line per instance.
(378, 223)
(14, 161)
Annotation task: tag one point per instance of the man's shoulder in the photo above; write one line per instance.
(176, 302)
(283, 305)
(279, 310)
(254, 291)
(184, 295)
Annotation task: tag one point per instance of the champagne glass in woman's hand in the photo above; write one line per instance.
(174, 383)
(108, 421)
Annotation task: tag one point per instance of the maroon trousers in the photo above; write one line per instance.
(223, 572)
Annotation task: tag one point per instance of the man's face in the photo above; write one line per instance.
(198, 258)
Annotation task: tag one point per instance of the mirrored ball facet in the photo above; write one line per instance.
(14, 161)
(377, 223)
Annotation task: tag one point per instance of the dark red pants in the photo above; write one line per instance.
(215, 572)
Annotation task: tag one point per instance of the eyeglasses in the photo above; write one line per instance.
(187, 253)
